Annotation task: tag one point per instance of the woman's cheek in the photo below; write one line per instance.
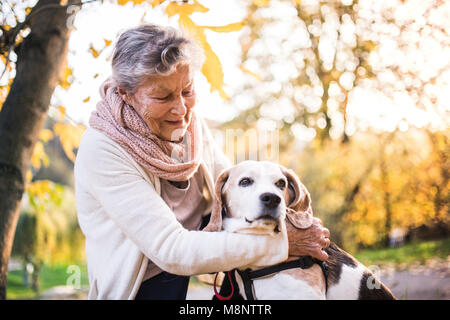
(191, 101)
(154, 110)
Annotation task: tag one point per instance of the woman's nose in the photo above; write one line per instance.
(180, 107)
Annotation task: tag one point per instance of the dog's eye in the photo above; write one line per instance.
(281, 184)
(245, 182)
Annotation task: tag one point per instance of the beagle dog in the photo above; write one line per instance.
(261, 197)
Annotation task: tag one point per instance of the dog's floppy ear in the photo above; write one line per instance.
(298, 208)
(215, 221)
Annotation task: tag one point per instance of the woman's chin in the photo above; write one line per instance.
(177, 135)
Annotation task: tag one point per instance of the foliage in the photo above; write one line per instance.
(315, 58)
(48, 229)
(391, 183)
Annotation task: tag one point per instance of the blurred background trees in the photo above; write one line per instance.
(354, 96)
(357, 91)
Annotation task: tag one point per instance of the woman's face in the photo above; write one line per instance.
(165, 103)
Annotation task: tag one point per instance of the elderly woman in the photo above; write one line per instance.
(145, 173)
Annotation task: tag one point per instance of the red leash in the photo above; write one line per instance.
(232, 287)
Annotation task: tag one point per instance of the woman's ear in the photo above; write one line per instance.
(124, 95)
(215, 221)
(298, 208)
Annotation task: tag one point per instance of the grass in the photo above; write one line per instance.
(50, 276)
(406, 254)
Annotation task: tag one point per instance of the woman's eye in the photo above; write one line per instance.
(245, 182)
(162, 98)
(281, 184)
(187, 93)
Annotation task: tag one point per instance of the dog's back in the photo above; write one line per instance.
(348, 279)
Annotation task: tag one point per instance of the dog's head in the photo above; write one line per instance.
(256, 196)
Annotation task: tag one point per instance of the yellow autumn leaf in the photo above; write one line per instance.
(45, 135)
(28, 176)
(66, 80)
(369, 45)
(124, 2)
(39, 155)
(245, 70)
(261, 3)
(39, 188)
(94, 52)
(156, 3)
(107, 42)
(61, 113)
(297, 2)
(228, 28)
(69, 136)
(212, 68)
(184, 8)
(87, 99)
(3, 94)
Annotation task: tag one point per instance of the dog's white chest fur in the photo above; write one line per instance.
(282, 286)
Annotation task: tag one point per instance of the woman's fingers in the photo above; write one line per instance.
(317, 221)
(326, 232)
(320, 254)
(324, 243)
(309, 241)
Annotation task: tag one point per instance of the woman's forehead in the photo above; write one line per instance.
(180, 78)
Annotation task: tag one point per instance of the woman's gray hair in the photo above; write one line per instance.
(150, 50)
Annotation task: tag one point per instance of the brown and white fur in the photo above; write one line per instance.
(261, 198)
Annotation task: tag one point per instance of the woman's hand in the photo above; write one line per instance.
(308, 242)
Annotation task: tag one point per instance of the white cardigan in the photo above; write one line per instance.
(126, 222)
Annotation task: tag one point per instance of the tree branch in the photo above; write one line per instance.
(9, 43)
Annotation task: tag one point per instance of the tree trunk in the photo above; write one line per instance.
(39, 64)
(385, 188)
(387, 202)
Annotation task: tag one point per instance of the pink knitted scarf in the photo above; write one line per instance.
(175, 161)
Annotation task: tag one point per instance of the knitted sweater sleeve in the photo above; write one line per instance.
(105, 170)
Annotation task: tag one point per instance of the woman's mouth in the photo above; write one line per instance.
(175, 123)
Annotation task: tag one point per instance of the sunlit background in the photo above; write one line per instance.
(356, 92)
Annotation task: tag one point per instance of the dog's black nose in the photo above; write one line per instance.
(270, 200)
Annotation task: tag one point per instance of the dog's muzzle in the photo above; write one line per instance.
(268, 219)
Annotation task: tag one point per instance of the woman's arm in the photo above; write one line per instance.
(105, 169)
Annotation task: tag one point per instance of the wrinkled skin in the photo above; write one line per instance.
(165, 103)
(308, 242)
